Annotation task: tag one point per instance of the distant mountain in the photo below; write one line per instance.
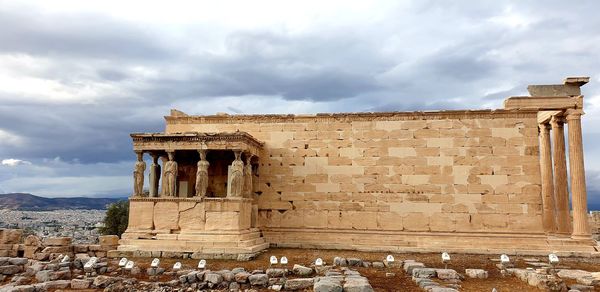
(29, 202)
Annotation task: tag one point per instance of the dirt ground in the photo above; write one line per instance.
(377, 277)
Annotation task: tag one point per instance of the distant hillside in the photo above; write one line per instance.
(29, 202)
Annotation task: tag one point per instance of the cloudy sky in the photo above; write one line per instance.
(76, 77)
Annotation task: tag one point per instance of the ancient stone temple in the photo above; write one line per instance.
(461, 180)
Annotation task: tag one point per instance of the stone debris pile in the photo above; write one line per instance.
(547, 277)
(430, 279)
(43, 249)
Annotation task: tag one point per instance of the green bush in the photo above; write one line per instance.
(116, 218)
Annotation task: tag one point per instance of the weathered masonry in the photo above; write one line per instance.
(468, 181)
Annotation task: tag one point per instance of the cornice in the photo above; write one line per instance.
(348, 117)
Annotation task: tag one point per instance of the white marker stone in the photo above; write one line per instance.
(319, 262)
(201, 264)
(273, 260)
(445, 257)
(155, 263)
(65, 259)
(284, 261)
(122, 262)
(553, 258)
(504, 259)
(91, 262)
(177, 266)
(390, 258)
(129, 265)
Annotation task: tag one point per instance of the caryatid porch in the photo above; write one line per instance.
(201, 199)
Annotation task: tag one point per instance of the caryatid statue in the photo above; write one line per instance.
(248, 177)
(170, 178)
(236, 178)
(138, 174)
(202, 174)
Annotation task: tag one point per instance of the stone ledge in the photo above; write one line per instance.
(366, 116)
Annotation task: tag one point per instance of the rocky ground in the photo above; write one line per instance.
(341, 271)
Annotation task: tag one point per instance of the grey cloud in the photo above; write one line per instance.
(437, 55)
(81, 35)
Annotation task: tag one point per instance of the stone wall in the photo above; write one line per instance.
(448, 171)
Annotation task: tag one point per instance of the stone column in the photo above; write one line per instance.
(138, 174)
(581, 227)
(154, 175)
(164, 160)
(548, 216)
(561, 195)
(248, 176)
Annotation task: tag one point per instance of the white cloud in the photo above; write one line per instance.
(10, 139)
(14, 162)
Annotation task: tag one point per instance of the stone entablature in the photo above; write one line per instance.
(411, 180)
(346, 117)
(195, 141)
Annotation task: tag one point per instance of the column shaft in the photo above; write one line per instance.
(548, 216)
(581, 227)
(154, 176)
(561, 195)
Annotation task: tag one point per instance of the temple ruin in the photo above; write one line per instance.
(478, 181)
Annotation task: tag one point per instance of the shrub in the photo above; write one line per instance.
(117, 216)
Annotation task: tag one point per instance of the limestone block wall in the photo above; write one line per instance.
(187, 216)
(448, 171)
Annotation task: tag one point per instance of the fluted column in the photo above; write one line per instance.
(548, 216)
(581, 227)
(561, 195)
(154, 175)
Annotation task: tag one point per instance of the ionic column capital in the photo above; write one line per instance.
(574, 114)
(557, 121)
(544, 127)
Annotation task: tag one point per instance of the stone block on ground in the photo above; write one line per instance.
(423, 273)
(354, 262)
(299, 284)
(357, 284)
(242, 277)
(58, 284)
(18, 261)
(275, 273)
(10, 269)
(476, 273)
(340, 262)
(213, 278)
(10, 236)
(80, 284)
(32, 240)
(258, 279)
(327, 284)
(57, 241)
(302, 270)
(447, 274)
(108, 240)
(409, 266)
